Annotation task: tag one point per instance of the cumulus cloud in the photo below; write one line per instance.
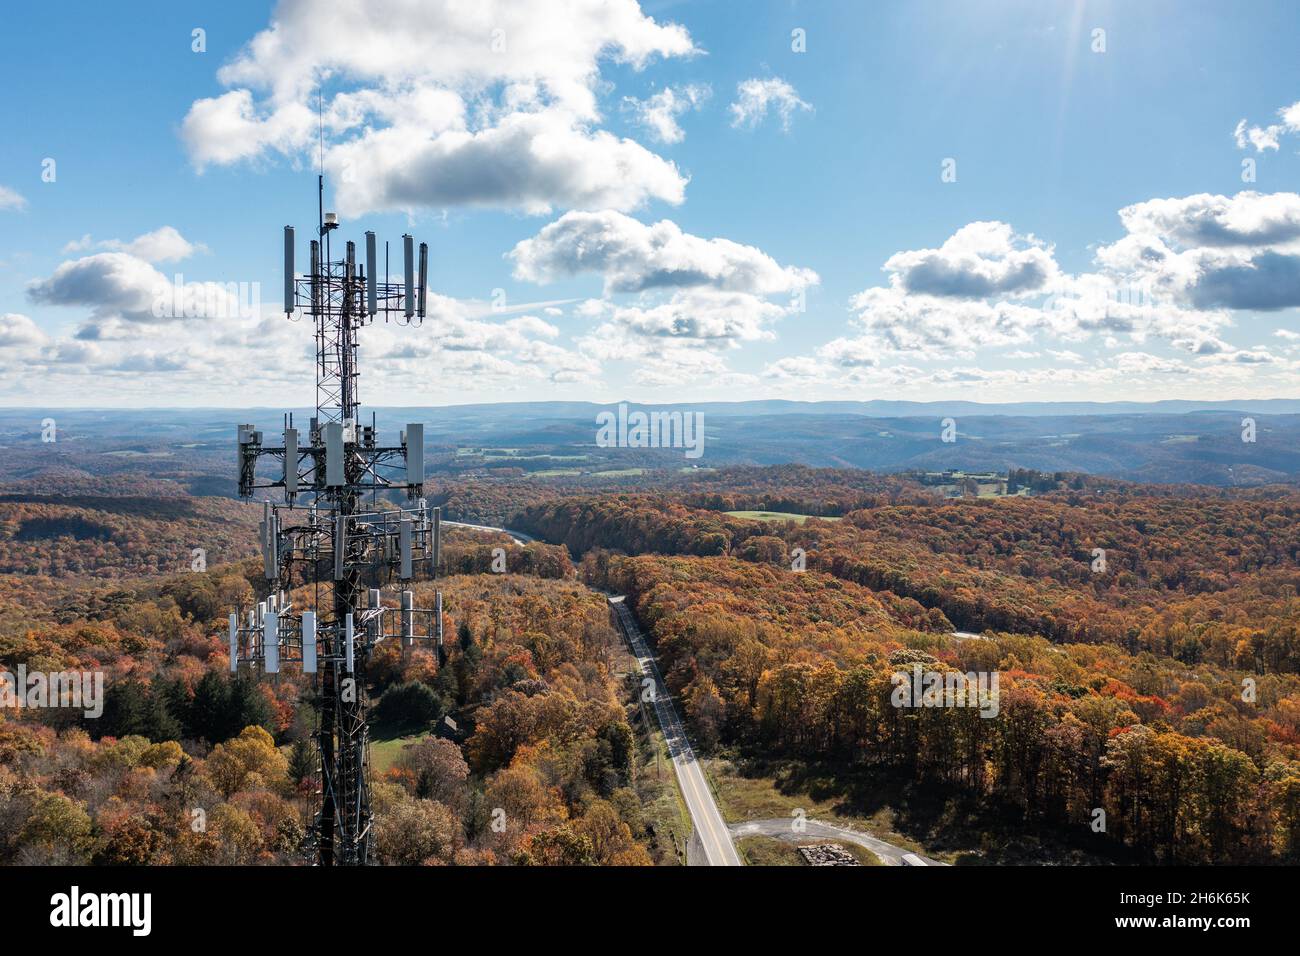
(476, 352)
(471, 354)
(755, 98)
(891, 320)
(1267, 137)
(635, 257)
(716, 319)
(109, 283)
(659, 113)
(1208, 251)
(979, 260)
(9, 199)
(122, 289)
(1181, 270)
(161, 245)
(1247, 219)
(224, 129)
(529, 161)
(18, 331)
(503, 115)
(1176, 276)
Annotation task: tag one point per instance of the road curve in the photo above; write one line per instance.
(518, 536)
(889, 854)
(710, 828)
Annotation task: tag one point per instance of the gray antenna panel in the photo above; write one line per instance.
(272, 553)
(288, 269)
(291, 461)
(404, 546)
(424, 278)
(309, 642)
(413, 439)
(408, 253)
(334, 455)
(271, 643)
(372, 276)
(234, 642)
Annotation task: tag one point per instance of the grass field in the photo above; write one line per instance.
(744, 797)
(384, 753)
(776, 516)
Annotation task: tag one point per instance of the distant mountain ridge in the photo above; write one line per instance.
(872, 408)
(1204, 442)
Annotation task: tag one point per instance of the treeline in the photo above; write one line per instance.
(1207, 578)
(113, 537)
(1193, 765)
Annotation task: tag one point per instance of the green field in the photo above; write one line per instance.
(776, 516)
(384, 753)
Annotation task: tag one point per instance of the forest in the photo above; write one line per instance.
(1144, 636)
(191, 765)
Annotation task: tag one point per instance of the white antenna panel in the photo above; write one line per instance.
(309, 642)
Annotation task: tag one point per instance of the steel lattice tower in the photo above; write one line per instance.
(340, 547)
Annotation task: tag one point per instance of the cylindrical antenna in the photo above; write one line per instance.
(408, 250)
(372, 274)
(315, 276)
(424, 276)
(288, 269)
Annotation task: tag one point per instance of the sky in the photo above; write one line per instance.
(1009, 200)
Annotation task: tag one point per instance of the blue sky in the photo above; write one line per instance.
(737, 248)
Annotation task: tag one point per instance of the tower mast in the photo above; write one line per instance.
(335, 545)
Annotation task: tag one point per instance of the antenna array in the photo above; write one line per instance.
(328, 540)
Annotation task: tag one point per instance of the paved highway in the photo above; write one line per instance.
(711, 831)
(710, 828)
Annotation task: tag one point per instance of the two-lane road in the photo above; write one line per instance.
(710, 828)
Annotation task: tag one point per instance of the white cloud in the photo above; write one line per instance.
(1267, 137)
(227, 128)
(528, 161)
(693, 297)
(161, 245)
(979, 260)
(715, 319)
(1208, 251)
(9, 199)
(123, 290)
(755, 97)
(18, 331)
(659, 112)
(438, 102)
(635, 257)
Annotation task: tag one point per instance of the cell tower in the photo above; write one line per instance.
(329, 539)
